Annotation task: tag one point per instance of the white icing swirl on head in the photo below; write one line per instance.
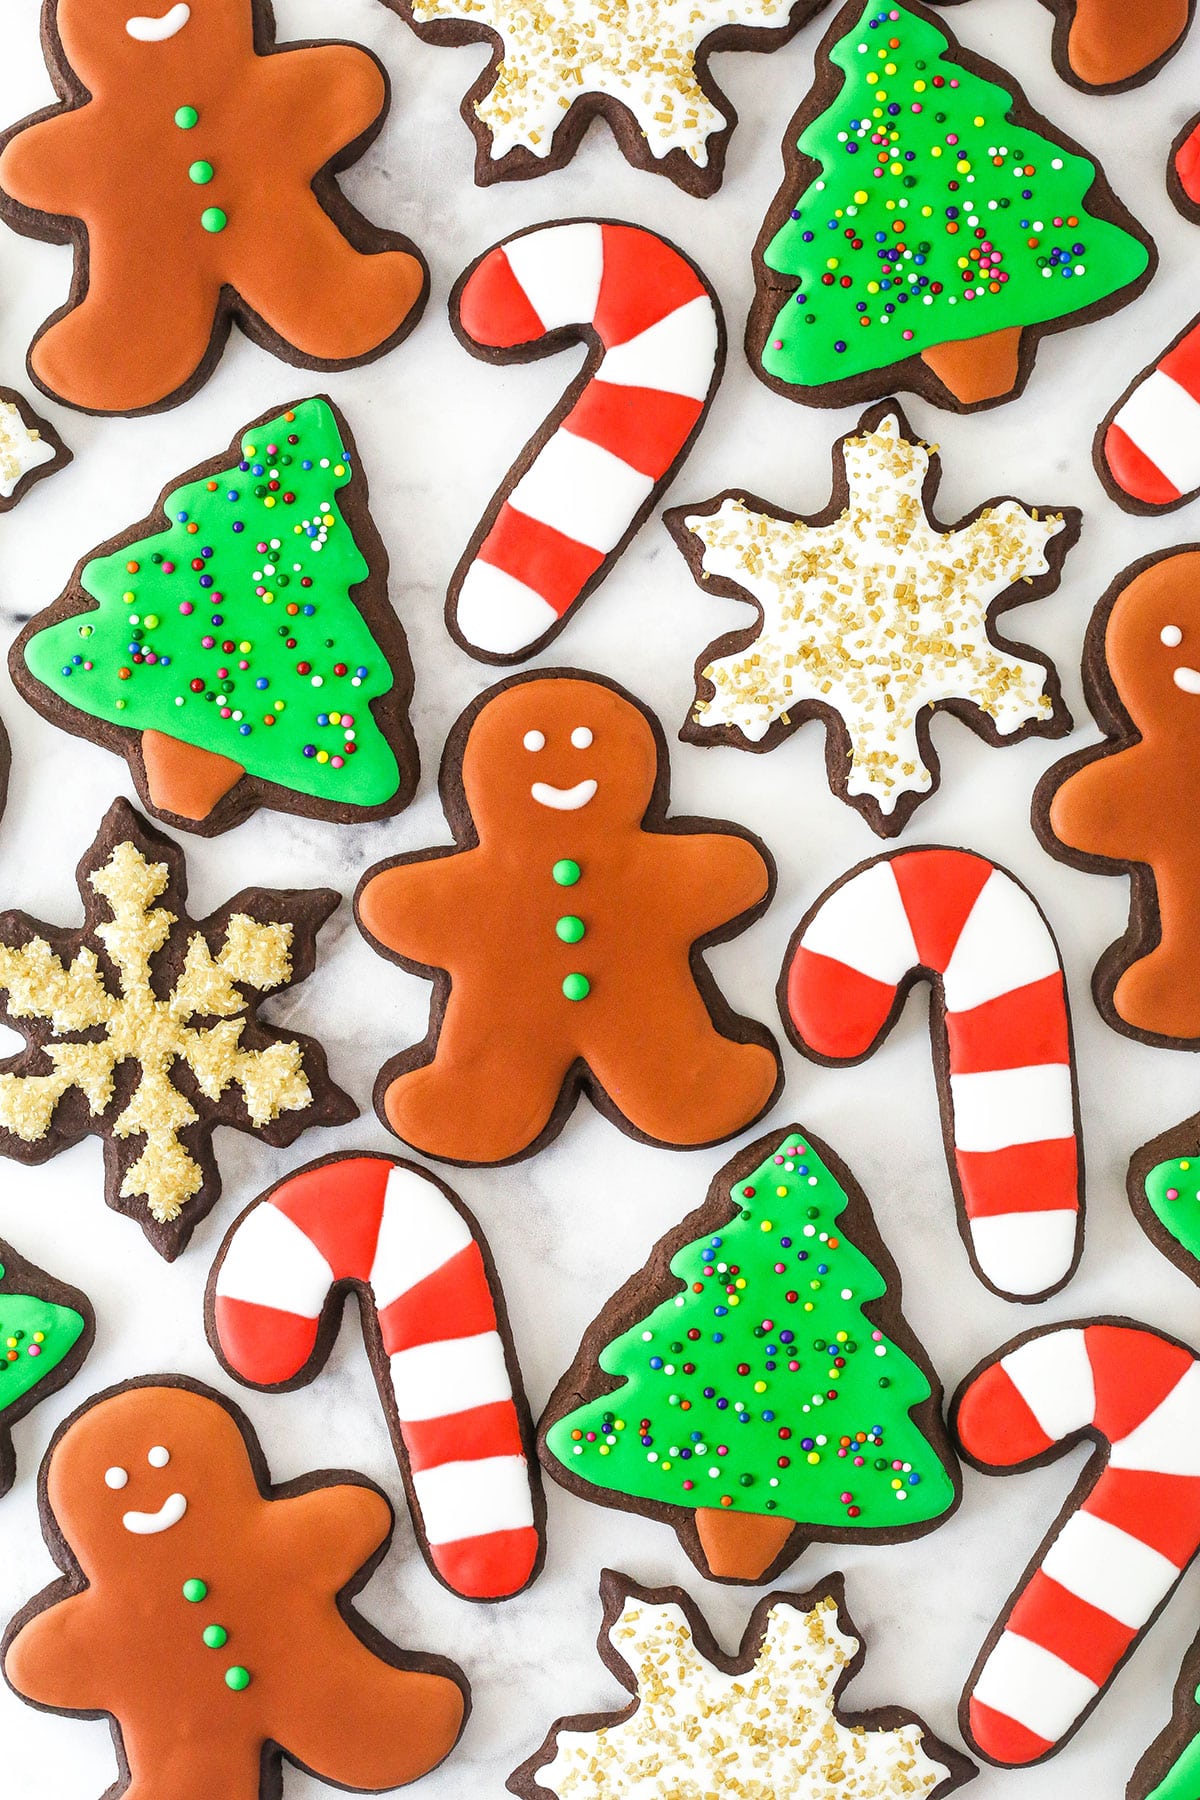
(146, 29)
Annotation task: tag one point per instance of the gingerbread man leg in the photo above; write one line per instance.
(297, 275)
(141, 330)
(688, 1086)
(341, 1740)
(1112, 40)
(488, 1093)
(203, 1763)
(1157, 993)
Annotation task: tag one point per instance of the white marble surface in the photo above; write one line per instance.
(437, 430)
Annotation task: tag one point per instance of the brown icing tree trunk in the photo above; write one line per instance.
(741, 1545)
(1114, 40)
(184, 779)
(980, 368)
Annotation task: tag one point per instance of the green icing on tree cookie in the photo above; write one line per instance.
(233, 629)
(762, 1386)
(1182, 1780)
(1173, 1190)
(35, 1337)
(933, 218)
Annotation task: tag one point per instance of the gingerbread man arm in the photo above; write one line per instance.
(721, 874)
(47, 165)
(1102, 808)
(53, 1659)
(418, 909)
(338, 89)
(340, 1528)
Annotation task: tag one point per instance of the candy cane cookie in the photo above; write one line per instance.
(1123, 1540)
(1001, 1040)
(437, 1337)
(594, 471)
(1147, 450)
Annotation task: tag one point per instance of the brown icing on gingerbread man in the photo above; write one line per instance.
(1129, 799)
(207, 1614)
(191, 164)
(565, 931)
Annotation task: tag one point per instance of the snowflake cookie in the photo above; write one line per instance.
(763, 1722)
(141, 1028)
(30, 449)
(641, 64)
(871, 616)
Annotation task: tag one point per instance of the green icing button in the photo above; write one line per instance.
(1173, 1190)
(186, 117)
(237, 1678)
(566, 872)
(570, 929)
(213, 219)
(216, 1636)
(195, 1591)
(576, 987)
(201, 173)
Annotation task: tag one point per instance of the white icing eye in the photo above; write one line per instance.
(534, 740)
(115, 1478)
(159, 1457)
(581, 737)
(1170, 635)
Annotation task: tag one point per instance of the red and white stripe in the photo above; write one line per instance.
(386, 1227)
(553, 533)
(999, 980)
(1152, 447)
(1104, 1574)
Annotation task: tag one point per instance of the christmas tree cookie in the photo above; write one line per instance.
(756, 1386)
(46, 1331)
(1163, 1184)
(1170, 1769)
(237, 646)
(931, 227)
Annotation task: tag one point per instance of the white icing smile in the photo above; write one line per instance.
(566, 799)
(149, 1524)
(1188, 679)
(156, 31)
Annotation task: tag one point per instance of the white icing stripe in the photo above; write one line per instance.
(1000, 1107)
(496, 612)
(467, 1499)
(450, 1376)
(419, 1232)
(582, 490)
(560, 270)
(271, 1262)
(1004, 944)
(1163, 420)
(864, 925)
(1054, 1377)
(1107, 1568)
(1033, 1686)
(1168, 1441)
(675, 356)
(1025, 1252)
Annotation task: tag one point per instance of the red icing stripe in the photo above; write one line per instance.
(643, 426)
(1162, 1510)
(836, 1010)
(643, 280)
(938, 889)
(1187, 166)
(1133, 471)
(488, 1567)
(454, 1302)
(338, 1206)
(1079, 1634)
(1002, 1739)
(468, 1436)
(1182, 363)
(261, 1343)
(1135, 1370)
(994, 1423)
(1026, 1178)
(548, 561)
(1026, 1025)
(494, 308)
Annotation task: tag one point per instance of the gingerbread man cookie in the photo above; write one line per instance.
(191, 165)
(1120, 806)
(564, 933)
(208, 1613)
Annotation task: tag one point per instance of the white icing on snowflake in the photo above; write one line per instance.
(21, 449)
(640, 52)
(876, 615)
(773, 1731)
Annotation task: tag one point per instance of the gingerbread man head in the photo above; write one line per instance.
(555, 750)
(1152, 646)
(111, 42)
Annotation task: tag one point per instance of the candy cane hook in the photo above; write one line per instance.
(586, 481)
(437, 1335)
(1002, 1040)
(1124, 1539)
